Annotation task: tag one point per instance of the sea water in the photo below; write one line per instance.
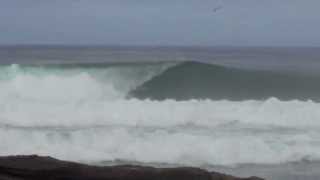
(73, 103)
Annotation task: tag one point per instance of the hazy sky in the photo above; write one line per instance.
(161, 22)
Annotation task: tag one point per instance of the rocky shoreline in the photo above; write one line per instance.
(40, 168)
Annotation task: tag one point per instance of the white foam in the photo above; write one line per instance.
(162, 146)
(73, 84)
(71, 112)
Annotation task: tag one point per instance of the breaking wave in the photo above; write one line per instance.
(83, 113)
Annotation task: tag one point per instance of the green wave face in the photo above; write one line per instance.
(193, 80)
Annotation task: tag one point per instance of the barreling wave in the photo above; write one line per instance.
(157, 81)
(194, 80)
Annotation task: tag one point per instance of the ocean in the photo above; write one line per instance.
(243, 111)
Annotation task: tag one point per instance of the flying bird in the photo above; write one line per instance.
(216, 9)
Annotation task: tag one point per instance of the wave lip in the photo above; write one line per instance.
(195, 80)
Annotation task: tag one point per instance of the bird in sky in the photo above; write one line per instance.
(216, 9)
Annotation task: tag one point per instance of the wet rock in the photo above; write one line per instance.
(40, 168)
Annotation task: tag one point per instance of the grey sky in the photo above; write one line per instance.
(161, 22)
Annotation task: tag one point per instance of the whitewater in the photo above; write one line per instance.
(84, 114)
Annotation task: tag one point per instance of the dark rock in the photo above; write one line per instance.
(40, 168)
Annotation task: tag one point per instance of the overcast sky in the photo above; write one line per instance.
(161, 22)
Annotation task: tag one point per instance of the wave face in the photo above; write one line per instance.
(82, 113)
(194, 80)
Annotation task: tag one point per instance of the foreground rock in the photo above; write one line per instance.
(41, 168)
